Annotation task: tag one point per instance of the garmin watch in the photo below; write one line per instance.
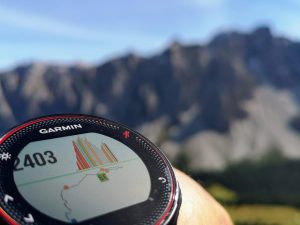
(80, 169)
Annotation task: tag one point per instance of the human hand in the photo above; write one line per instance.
(198, 207)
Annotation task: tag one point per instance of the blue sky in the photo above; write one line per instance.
(93, 31)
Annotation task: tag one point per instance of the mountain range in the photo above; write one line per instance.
(234, 98)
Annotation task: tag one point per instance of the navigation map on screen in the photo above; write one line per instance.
(80, 177)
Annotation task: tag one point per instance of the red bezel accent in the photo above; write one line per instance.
(7, 218)
(11, 221)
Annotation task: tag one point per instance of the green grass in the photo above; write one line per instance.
(256, 193)
(254, 214)
(264, 215)
(222, 194)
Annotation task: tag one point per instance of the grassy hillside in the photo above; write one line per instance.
(256, 193)
(265, 182)
(264, 215)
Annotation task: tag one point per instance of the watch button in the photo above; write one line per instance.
(29, 219)
(8, 198)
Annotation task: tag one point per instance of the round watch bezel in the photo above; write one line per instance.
(19, 136)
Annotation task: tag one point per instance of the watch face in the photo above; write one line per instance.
(80, 169)
(91, 170)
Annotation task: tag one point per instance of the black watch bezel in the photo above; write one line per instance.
(166, 194)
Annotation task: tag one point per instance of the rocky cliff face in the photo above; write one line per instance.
(225, 101)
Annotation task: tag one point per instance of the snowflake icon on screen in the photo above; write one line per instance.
(5, 156)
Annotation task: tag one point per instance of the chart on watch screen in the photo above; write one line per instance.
(80, 177)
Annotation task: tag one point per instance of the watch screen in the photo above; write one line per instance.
(79, 177)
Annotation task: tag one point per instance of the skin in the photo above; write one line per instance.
(198, 207)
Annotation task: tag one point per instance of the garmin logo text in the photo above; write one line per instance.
(59, 129)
